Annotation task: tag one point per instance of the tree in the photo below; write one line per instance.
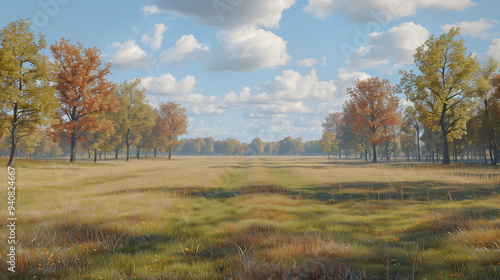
(27, 97)
(485, 92)
(374, 106)
(328, 142)
(443, 91)
(271, 148)
(84, 93)
(335, 123)
(286, 146)
(257, 146)
(299, 145)
(134, 114)
(412, 121)
(173, 123)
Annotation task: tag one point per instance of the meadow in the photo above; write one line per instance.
(254, 218)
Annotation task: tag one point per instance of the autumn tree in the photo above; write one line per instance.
(328, 142)
(412, 122)
(84, 93)
(27, 97)
(443, 91)
(173, 123)
(489, 104)
(134, 115)
(257, 146)
(334, 123)
(373, 105)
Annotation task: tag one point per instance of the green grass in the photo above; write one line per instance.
(254, 218)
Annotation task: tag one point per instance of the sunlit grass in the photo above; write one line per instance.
(255, 217)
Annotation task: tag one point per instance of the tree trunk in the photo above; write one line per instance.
(418, 146)
(154, 149)
(387, 151)
(116, 154)
(95, 155)
(374, 153)
(127, 143)
(495, 149)
(169, 152)
(13, 147)
(455, 150)
(138, 151)
(73, 147)
(446, 151)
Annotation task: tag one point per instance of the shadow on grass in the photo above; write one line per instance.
(402, 190)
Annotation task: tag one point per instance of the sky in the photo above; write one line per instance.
(258, 68)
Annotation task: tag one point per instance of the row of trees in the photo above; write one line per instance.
(456, 106)
(230, 146)
(73, 101)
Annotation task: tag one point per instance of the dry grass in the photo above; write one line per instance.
(253, 218)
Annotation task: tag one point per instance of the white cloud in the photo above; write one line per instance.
(380, 10)
(186, 49)
(285, 108)
(155, 40)
(196, 98)
(344, 75)
(397, 44)
(284, 94)
(494, 49)
(150, 9)
(248, 49)
(129, 55)
(477, 29)
(243, 49)
(308, 62)
(168, 85)
(208, 110)
(229, 14)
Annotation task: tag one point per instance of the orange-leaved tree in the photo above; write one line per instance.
(374, 106)
(171, 122)
(83, 91)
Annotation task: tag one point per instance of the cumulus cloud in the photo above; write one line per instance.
(207, 110)
(186, 49)
(248, 49)
(284, 94)
(381, 10)
(150, 9)
(129, 55)
(168, 85)
(477, 29)
(397, 44)
(308, 62)
(494, 49)
(155, 40)
(229, 14)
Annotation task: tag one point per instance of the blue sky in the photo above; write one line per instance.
(258, 68)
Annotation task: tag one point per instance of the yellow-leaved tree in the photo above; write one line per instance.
(443, 91)
(27, 98)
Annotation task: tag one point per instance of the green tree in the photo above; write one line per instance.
(27, 97)
(134, 115)
(443, 91)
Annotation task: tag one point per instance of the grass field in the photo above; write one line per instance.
(254, 218)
